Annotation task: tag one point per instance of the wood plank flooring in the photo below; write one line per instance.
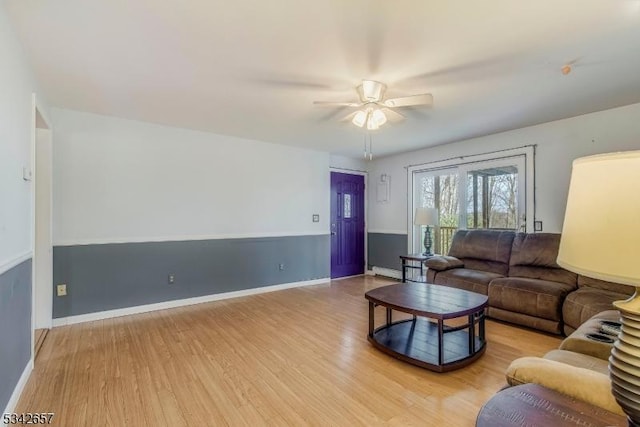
(295, 357)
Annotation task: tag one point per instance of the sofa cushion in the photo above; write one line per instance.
(488, 266)
(584, 303)
(603, 284)
(535, 250)
(579, 360)
(492, 248)
(546, 325)
(443, 262)
(467, 279)
(580, 383)
(534, 297)
(578, 342)
(534, 256)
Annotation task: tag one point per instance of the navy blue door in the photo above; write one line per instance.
(347, 224)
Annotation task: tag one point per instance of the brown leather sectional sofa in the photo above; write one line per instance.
(525, 285)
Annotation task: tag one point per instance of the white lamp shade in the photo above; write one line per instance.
(426, 216)
(601, 231)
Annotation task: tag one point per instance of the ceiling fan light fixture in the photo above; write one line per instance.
(372, 124)
(372, 90)
(360, 118)
(379, 117)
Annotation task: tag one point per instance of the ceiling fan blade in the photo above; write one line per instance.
(348, 117)
(331, 113)
(408, 101)
(392, 116)
(337, 104)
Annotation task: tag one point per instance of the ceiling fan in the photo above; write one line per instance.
(374, 110)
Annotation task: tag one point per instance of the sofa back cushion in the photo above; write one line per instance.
(534, 256)
(485, 250)
(602, 284)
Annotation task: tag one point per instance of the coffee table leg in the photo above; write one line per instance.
(371, 314)
(472, 334)
(481, 326)
(389, 320)
(404, 270)
(440, 342)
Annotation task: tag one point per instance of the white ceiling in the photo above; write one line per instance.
(253, 68)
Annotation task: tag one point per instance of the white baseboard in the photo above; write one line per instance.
(108, 314)
(387, 272)
(346, 277)
(17, 391)
(369, 273)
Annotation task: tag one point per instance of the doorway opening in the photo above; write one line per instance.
(42, 283)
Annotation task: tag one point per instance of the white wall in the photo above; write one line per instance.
(558, 144)
(348, 163)
(16, 87)
(119, 180)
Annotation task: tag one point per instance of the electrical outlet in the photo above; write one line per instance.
(316, 218)
(61, 289)
(281, 267)
(537, 225)
(172, 279)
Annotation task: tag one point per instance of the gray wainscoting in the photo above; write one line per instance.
(15, 327)
(385, 249)
(113, 276)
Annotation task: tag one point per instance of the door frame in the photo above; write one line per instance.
(527, 151)
(366, 211)
(39, 121)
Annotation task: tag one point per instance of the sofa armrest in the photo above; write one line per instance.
(443, 262)
(581, 384)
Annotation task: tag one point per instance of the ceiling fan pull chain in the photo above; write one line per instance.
(365, 146)
(370, 148)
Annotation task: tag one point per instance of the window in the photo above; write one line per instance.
(477, 192)
(347, 206)
(492, 198)
(438, 189)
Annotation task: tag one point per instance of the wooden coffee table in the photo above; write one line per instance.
(425, 339)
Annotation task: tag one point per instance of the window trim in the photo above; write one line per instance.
(527, 151)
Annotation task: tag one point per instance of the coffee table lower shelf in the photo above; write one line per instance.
(416, 341)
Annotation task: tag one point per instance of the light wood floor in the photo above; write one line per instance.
(295, 357)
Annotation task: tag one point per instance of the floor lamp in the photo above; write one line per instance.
(428, 217)
(601, 239)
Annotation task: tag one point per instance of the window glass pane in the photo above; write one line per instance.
(440, 191)
(347, 206)
(492, 196)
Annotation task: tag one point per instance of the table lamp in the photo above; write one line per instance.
(428, 217)
(601, 239)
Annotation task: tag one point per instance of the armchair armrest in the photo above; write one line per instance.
(443, 262)
(581, 384)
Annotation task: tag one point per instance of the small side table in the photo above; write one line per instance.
(406, 259)
(537, 406)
